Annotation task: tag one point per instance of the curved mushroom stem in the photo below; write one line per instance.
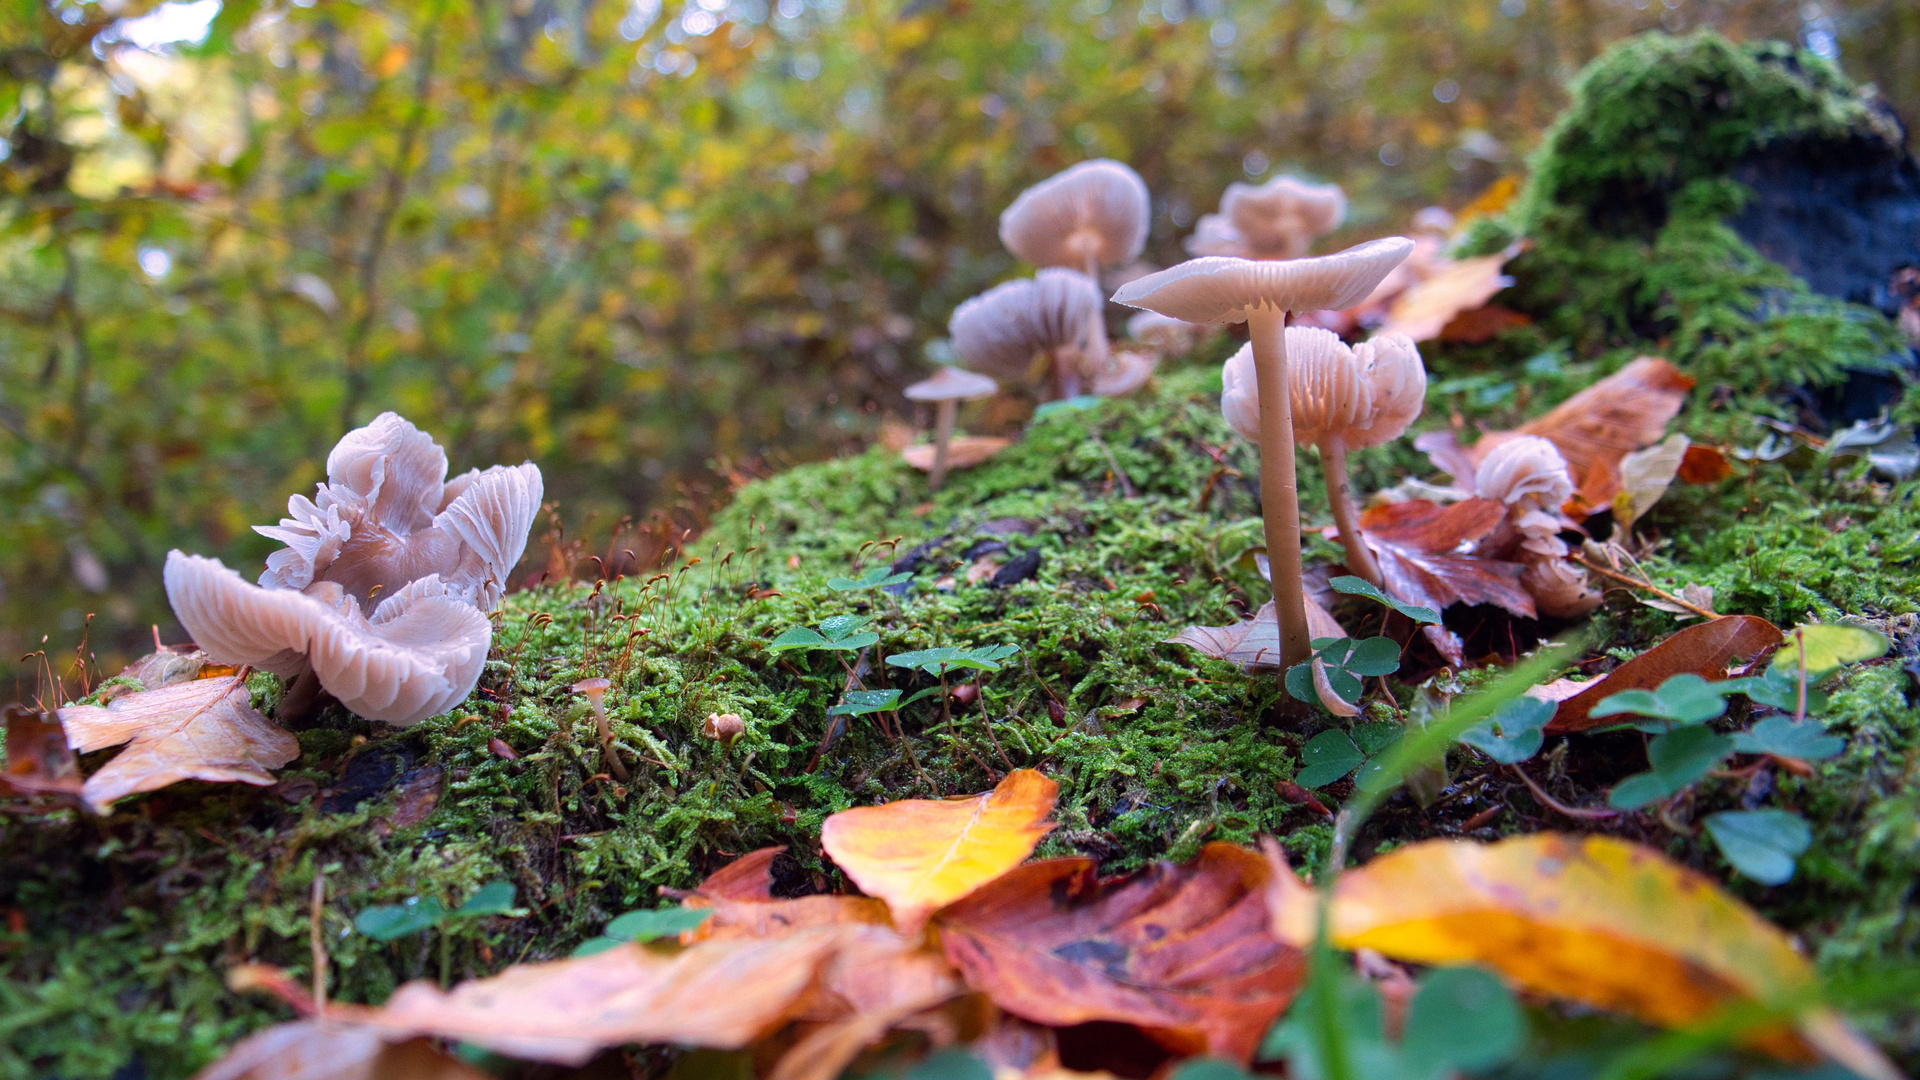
(1066, 372)
(1097, 320)
(1279, 488)
(942, 435)
(1333, 461)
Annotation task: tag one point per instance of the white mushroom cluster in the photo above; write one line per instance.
(1279, 219)
(382, 591)
(1529, 475)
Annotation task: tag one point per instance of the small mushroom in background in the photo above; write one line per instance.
(379, 596)
(946, 390)
(1003, 329)
(1166, 336)
(1279, 219)
(1092, 215)
(1227, 290)
(1127, 370)
(596, 691)
(1529, 475)
(1343, 399)
(724, 728)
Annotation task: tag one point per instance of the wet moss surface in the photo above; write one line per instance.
(1101, 533)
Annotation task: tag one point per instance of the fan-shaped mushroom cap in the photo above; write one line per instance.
(1157, 331)
(1434, 219)
(1526, 473)
(387, 516)
(952, 384)
(1366, 394)
(1222, 290)
(1213, 234)
(1282, 217)
(1125, 372)
(1001, 329)
(1095, 210)
(418, 655)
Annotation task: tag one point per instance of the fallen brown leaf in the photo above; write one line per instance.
(200, 730)
(169, 665)
(1704, 650)
(921, 854)
(964, 452)
(1418, 544)
(38, 759)
(1182, 951)
(1704, 465)
(1481, 325)
(316, 1050)
(1254, 643)
(875, 982)
(418, 796)
(1458, 286)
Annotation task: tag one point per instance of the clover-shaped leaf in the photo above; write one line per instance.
(1781, 737)
(1359, 586)
(1514, 732)
(1678, 757)
(493, 898)
(1761, 844)
(653, 925)
(880, 577)
(1327, 757)
(841, 633)
(1780, 688)
(1683, 699)
(954, 658)
(386, 922)
(862, 702)
(1347, 663)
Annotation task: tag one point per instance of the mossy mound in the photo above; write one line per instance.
(114, 933)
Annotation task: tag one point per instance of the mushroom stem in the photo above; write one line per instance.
(1333, 462)
(1279, 487)
(1097, 319)
(943, 414)
(1066, 372)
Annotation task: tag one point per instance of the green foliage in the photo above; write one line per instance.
(1762, 844)
(385, 922)
(1357, 586)
(643, 926)
(1347, 662)
(1459, 1020)
(1679, 757)
(1514, 732)
(1682, 699)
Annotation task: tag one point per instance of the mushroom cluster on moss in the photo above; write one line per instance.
(380, 596)
(1003, 330)
(1092, 215)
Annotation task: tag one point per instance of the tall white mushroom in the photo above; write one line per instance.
(1261, 294)
(1342, 399)
(379, 596)
(1001, 330)
(946, 390)
(1092, 215)
(1279, 219)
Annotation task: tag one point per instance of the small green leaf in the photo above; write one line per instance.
(950, 1064)
(925, 659)
(493, 898)
(1514, 732)
(799, 637)
(880, 577)
(1299, 683)
(840, 626)
(1828, 647)
(1209, 1069)
(1638, 790)
(1374, 738)
(1684, 699)
(1327, 757)
(1066, 405)
(1679, 757)
(1358, 586)
(1780, 736)
(655, 924)
(1761, 844)
(862, 702)
(853, 643)
(595, 946)
(1461, 1019)
(1374, 656)
(389, 921)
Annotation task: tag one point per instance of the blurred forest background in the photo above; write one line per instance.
(643, 245)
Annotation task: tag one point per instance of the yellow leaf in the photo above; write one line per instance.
(922, 854)
(1590, 919)
(1828, 646)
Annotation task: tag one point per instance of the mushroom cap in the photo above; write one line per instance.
(1163, 332)
(1213, 234)
(1282, 217)
(596, 685)
(1001, 329)
(1366, 394)
(418, 655)
(1126, 370)
(1434, 220)
(1097, 209)
(952, 384)
(387, 515)
(1526, 472)
(1218, 289)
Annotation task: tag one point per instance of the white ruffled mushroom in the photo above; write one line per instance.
(1529, 475)
(1003, 329)
(1343, 399)
(1261, 294)
(418, 655)
(1092, 215)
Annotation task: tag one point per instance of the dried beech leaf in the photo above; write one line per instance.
(1482, 325)
(1590, 919)
(721, 994)
(1460, 286)
(1417, 543)
(1182, 951)
(167, 666)
(1704, 650)
(921, 854)
(1645, 476)
(38, 759)
(876, 981)
(313, 1050)
(1254, 643)
(749, 877)
(963, 452)
(200, 730)
(1704, 465)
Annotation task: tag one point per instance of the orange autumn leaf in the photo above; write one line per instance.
(922, 854)
(877, 981)
(316, 1050)
(1704, 465)
(1417, 543)
(964, 452)
(38, 759)
(1182, 951)
(1457, 287)
(200, 730)
(1704, 650)
(1591, 919)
